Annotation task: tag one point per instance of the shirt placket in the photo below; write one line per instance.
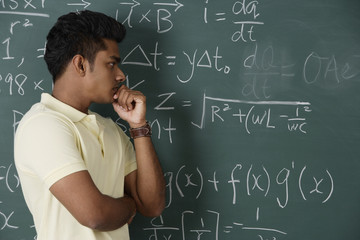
(97, 129)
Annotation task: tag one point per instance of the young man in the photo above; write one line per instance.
(80, 175)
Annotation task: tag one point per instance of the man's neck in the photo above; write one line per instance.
(70, 96)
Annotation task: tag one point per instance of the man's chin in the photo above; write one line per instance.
(106, 101)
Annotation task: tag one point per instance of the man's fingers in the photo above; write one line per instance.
(128, 98)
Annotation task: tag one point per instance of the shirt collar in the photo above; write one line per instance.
(58, 106)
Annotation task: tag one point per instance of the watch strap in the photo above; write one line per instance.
(143, 131)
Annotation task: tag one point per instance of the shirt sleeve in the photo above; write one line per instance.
(46, 146)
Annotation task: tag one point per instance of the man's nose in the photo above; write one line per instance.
(120, 76)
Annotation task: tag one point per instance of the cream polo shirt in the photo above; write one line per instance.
(54, 140)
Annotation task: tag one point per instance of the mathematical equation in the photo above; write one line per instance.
(245, 11)
(250, 117)
(194, 223)
(206, 225)
(254, 180)
(261, 69)
(189, 182)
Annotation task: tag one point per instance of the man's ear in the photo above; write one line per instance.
(79, 64)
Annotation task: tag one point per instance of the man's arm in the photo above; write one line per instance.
(146, 184)
(78, 193)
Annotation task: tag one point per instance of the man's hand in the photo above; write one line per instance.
(130, 105)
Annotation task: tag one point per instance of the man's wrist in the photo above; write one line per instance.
(137, 125)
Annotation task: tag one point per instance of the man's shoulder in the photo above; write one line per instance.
(39, 114)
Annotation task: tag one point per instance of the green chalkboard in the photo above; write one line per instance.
(255, 109)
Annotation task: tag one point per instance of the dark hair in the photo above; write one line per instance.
(79, 33)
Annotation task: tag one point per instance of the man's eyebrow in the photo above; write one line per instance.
(116, 58)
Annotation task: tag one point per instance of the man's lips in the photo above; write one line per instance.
(116, 87)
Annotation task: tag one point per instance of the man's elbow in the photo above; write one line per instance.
(154, 210)
(94, 225)
(158, 211)
(102, 222)
(95, 222)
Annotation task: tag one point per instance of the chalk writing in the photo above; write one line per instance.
(6, 219)
(15, 83)
(208, 224)
(246, 13)
(22, 7)
(83, 4)
(204, 61)
(255, 180)
(163, 21)
(11, 179)
(203, 225)
(250, 117)
(327, 67)
(7, 43)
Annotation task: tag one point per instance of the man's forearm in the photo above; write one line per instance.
(89, 206)
(150, 183)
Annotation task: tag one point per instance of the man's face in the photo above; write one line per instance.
(104, 79)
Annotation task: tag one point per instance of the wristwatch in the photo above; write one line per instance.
(143, 131)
